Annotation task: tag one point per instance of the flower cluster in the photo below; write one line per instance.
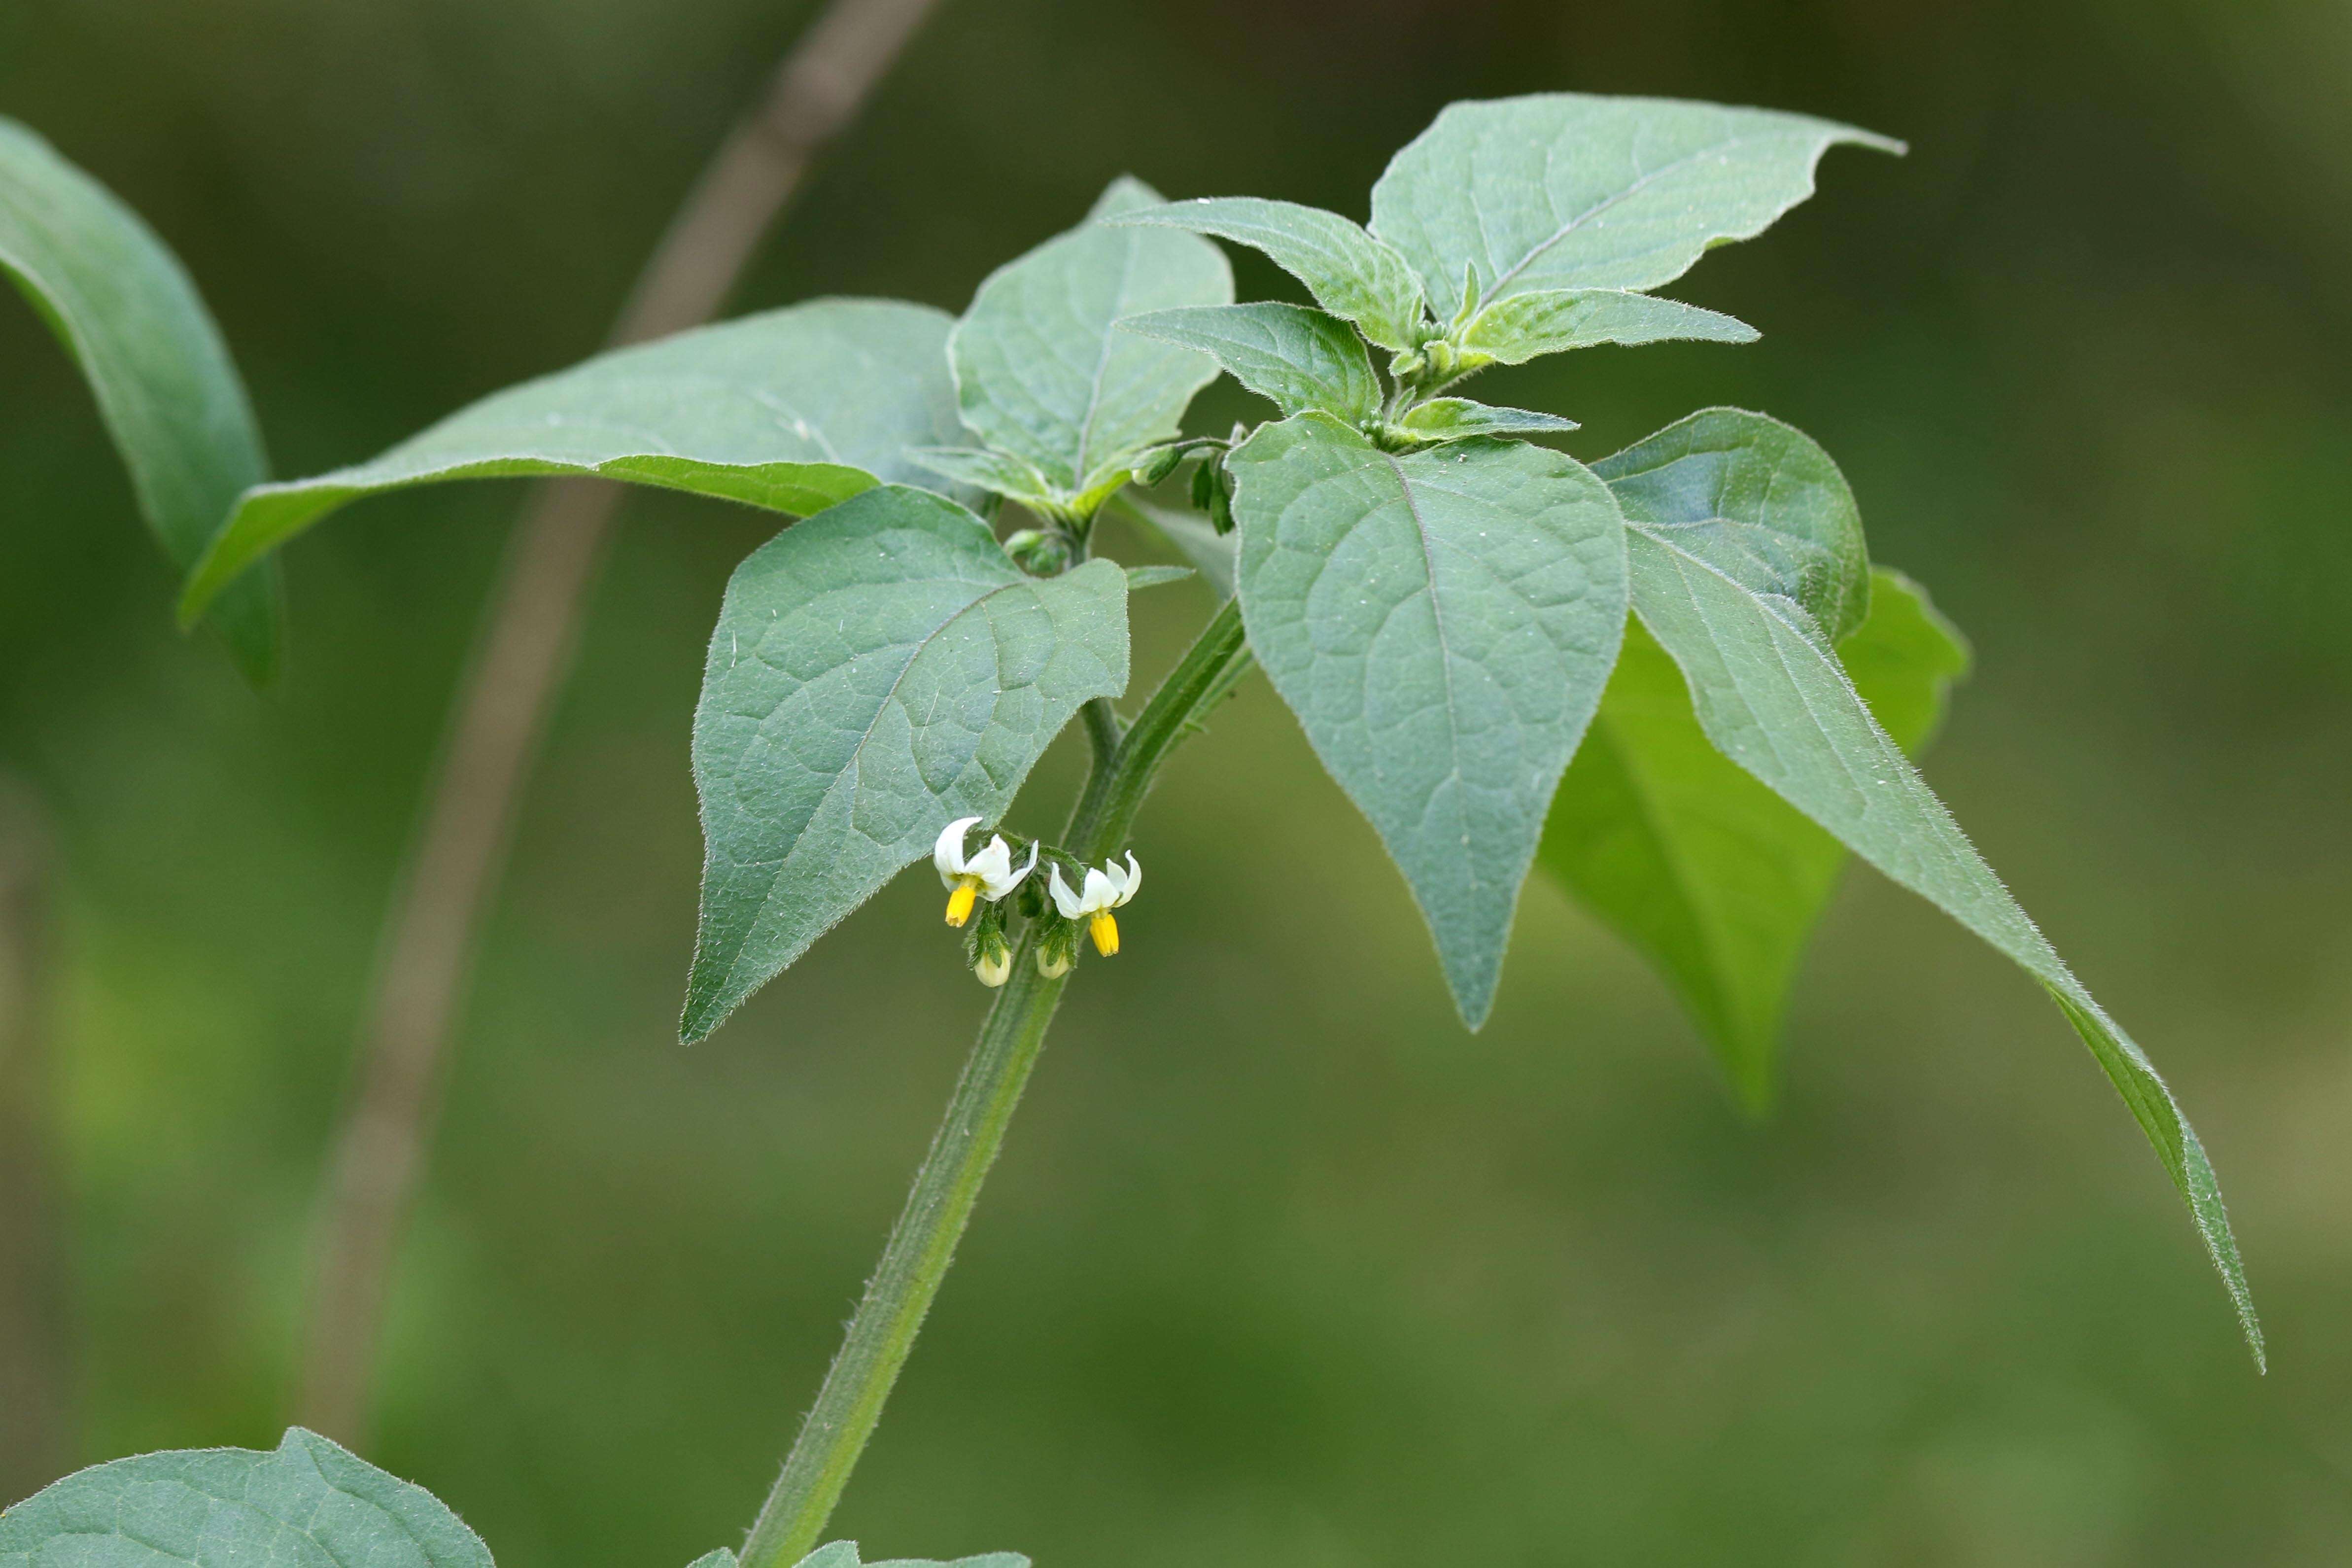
(979, 883)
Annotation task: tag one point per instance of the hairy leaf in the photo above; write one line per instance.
(1521, 327)
(1770, 695)
(876, 673)
(978, 468)
(1442, 624)
(1759, 500)
(1154, 576)
(1353, 276)
(1715, 878)
(1457, 418)
(309, 1504)
(792, 410)
(163, 380)
(1566, 190)
(1302, 359)
(1042, 370)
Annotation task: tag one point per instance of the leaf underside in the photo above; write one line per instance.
(1350, 273)
(1769, 693)
(876, 673)
(163, 378)
(1442, 624)
(789, 410)
(1715, 878)
(1042, 370)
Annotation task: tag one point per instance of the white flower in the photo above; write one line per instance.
(1106, 887)
(988, 874)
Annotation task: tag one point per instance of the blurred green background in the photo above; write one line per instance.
(1281, 1267)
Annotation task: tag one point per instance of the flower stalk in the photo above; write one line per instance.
(922, 1242)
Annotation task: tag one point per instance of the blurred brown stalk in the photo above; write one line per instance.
(524, 651)
(36, 1441)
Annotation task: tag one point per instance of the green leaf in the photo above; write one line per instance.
(1350, 273)
(1042, 370)
(1771, 697)
(309, 1504)
(165, 385)
(1458, 418)
(1521, 327)
(1154, 576)
(976, 468)
(1716, 879)
(876, 671)
(1195, 537)
(1566, 190)
(1759, 500)
(792, 410)
(1442, 624)
(844, 1554)
(1302, 359)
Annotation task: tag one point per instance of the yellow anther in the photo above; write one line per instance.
(960, 903)
(1105, 930)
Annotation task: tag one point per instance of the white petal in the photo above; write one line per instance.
(1101, 893)
(999, 886)
(991, 865)
(947, 853)
(1132, 881)
(1063, 899)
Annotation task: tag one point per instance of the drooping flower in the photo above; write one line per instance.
(1106, 888)
(988, 874)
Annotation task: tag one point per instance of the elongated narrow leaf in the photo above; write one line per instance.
(1758, 500)
(1442, 624)
(1353, 276)
(1521, 327)
(792, 410)
(844, 1554)
(1192, 536)
(1772, 698)
(1458, 418)
(164, 383)
(1566, 190)
(1302, 359)
(309, 1504)
(876, 673)
(979, 469)
(1717, 881)
(1043, 370)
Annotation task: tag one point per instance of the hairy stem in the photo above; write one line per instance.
(923, 1242)
(524, 651)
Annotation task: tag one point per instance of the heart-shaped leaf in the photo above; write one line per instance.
(1715, 878)
(1041, 367)
(1302, 359)
(165, 385)
(1770, 695)
(1442, 624)
(792, 410)
(309, 1504)
(1566, 191)
(876, 673)
(1350, 273)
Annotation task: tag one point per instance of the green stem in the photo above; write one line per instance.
(923, 1243)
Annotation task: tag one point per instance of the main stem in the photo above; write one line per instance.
(923, 1243)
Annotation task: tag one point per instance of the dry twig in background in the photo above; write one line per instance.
(520, 664)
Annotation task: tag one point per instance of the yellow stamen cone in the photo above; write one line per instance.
(1105, 930)
(961, 902)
